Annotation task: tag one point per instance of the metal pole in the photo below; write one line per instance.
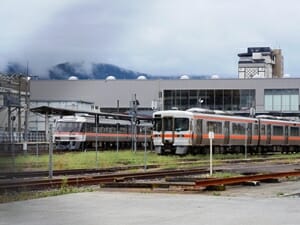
(132, 104)
(13, 145)
(37, 139)
(132, 132)
(246, 137)
(135, 128)
(50, 152)
(27, 101)
(96, 144)
(145, 152)
(210, 157)
(47, 126)
(9, 126)
(19, 108)
(135, 137)
(117, 136)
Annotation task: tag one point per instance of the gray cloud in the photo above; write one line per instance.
(157, 37)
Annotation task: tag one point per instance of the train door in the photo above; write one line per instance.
(226, 132)
(198, 132)
(268, 134)
(286, 135)
(168, 126)
(249, 133)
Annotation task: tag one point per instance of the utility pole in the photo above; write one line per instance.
(50, 152)
(13, 144)
(96, 144)
(134, 105)
(27, 106)
(19, 107)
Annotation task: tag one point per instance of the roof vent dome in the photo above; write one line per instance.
(142, 78)
(73, 78)
(110, 78)
(184, 77)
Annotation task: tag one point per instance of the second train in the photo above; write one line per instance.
(182, 132)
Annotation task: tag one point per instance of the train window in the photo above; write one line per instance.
(216, 127)
(278, 130)
(168, 123)
(83, 127)
(123, 129)
(238, 128)
(89, 127)
(181, 124)
(157, 124)
(68, 126)
(263, 129)
(255, 129)
(294, 131)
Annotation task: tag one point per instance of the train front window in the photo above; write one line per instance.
(168, 123)
(157, 124)
(68, 126)
(181, 124)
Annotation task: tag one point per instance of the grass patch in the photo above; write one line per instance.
(225, 175)
(26, 195)
(85, 160)
(105, 159)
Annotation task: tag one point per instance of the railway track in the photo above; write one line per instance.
(195, 184)
(127, 180)
(28, 174)
(31, 174)
(243, 179)
(19, 185)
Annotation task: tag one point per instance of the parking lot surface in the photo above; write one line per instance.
(112, 208)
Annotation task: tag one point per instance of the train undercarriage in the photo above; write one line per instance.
(226, 149)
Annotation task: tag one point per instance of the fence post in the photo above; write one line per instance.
(50, 152)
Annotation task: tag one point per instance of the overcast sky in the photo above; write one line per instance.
(150, 36)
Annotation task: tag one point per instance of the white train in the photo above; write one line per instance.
(181, 132)
(79, 133)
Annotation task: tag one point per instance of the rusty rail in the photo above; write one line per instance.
(91, 180)
(31, 174)
(242, 179)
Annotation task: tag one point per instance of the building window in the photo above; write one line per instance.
(215, 99)
(281, 99)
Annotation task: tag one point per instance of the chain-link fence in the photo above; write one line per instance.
(18, 137)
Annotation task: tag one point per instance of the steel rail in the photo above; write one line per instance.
(90, 180)
(242, 179)
(28, 174)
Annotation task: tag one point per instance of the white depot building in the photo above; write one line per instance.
(267, 96)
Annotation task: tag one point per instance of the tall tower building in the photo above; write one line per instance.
(260, 62)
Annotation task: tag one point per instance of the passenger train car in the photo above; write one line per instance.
(182, 132)
(80, 133)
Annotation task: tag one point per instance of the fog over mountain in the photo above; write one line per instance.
(84, 70)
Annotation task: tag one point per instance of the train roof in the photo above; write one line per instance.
(173, 113)
(48, 110)
(91, 119)
(203, 113)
